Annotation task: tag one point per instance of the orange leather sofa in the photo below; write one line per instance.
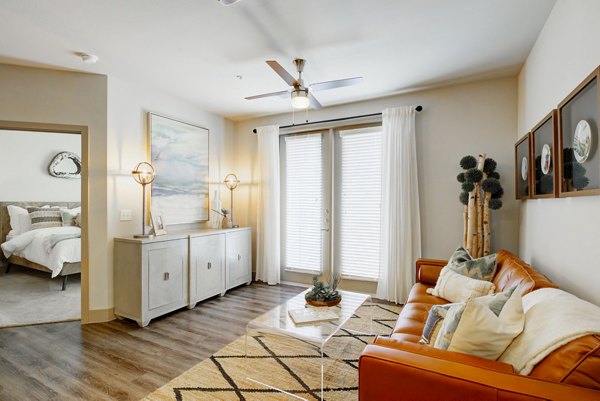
(399, 368)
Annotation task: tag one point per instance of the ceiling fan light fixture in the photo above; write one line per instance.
(300, 99)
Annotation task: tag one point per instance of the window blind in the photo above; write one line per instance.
(359, 232)
(303, 202)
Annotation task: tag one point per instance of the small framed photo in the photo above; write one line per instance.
(544, 156)
(579, 119)
(158, 224)
(523, 167)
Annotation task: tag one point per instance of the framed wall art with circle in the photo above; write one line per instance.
(523, 167)
(544, 140)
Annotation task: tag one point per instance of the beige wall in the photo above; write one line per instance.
(60, 97)
(457, 120)
(128, 106)
(560, 237)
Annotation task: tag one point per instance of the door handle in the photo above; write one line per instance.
(166, 276)
(209, 265)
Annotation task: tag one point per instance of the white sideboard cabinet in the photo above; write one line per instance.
(154, 276)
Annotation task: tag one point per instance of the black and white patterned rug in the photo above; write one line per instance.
(274, 361)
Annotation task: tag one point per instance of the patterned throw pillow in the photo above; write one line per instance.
(454, 314)
(44, 217)
(483, 268)
(436, 316)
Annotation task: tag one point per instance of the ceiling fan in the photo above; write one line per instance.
(302, 96)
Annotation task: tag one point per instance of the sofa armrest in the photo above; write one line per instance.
(428, 270)
(408, 373)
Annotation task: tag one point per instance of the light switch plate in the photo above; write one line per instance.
(125, 214)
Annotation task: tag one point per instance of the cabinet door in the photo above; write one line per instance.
(207, 266)
(239, 258)
(167, 272)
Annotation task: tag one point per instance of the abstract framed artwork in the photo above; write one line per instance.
(179, 154)
(544, 140)
(579, 120)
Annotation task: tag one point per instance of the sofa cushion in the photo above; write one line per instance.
(576, 363)
(511, 270)
(418, 294)
(412, 319)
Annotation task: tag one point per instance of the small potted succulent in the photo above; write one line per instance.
(324, 294)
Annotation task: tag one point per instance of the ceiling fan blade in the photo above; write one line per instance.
(285, 93)
(286, 76)
(338, 83)
(314, 103)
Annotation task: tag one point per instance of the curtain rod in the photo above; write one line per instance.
(418, 108)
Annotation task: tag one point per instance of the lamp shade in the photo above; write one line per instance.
(300, 99)
(231, 181)
(143, 173)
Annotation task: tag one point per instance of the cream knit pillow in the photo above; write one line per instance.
(455, 287)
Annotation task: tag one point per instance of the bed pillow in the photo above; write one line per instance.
(25, 223)
(483, 268)
(485, 326)
(455, 287)
(14, 212)
(69, 215)
(44, 217)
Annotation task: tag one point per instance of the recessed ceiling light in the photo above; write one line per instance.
(239, 77)
(227, 2)
(89, 58)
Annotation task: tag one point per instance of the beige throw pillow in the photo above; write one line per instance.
(482, 333)
(455, 287)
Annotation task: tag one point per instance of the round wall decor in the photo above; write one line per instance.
(582, 141)
(58, 171)
(546, 158)
(524, 168)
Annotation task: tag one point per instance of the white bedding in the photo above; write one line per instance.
(32, 245)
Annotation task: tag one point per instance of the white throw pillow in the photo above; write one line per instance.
(482, 333)
(455, 287)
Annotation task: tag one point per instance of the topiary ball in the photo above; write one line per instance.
(491, 185)
(468, 162)
(580, 182)
(464, 198)
(495, 204)
(473, 175)
(461, 177)
(498, 194)
(489, 166)
(494, 174)
(467, 186)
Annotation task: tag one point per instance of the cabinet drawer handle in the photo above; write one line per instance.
(239, 257)
(166, 276)
(209, 265)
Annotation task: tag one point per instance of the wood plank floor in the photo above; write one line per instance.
(118, 360)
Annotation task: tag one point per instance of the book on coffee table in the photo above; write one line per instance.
(312, 315)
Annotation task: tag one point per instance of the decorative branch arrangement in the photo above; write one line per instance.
(481, 191)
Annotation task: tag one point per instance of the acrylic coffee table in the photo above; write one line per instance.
(277, 321)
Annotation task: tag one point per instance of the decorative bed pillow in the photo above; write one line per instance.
(436, 316)
(483, 268)
(44, 217)
(485, 326)
(25, 223)
(455, 287)
(69, 216)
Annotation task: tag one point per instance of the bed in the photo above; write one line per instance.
(60, 257)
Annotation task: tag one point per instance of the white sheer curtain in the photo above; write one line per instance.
(268, 240)
(400, 218)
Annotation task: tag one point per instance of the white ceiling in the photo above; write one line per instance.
(194, 49)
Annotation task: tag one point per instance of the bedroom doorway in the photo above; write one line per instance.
(43, 220)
